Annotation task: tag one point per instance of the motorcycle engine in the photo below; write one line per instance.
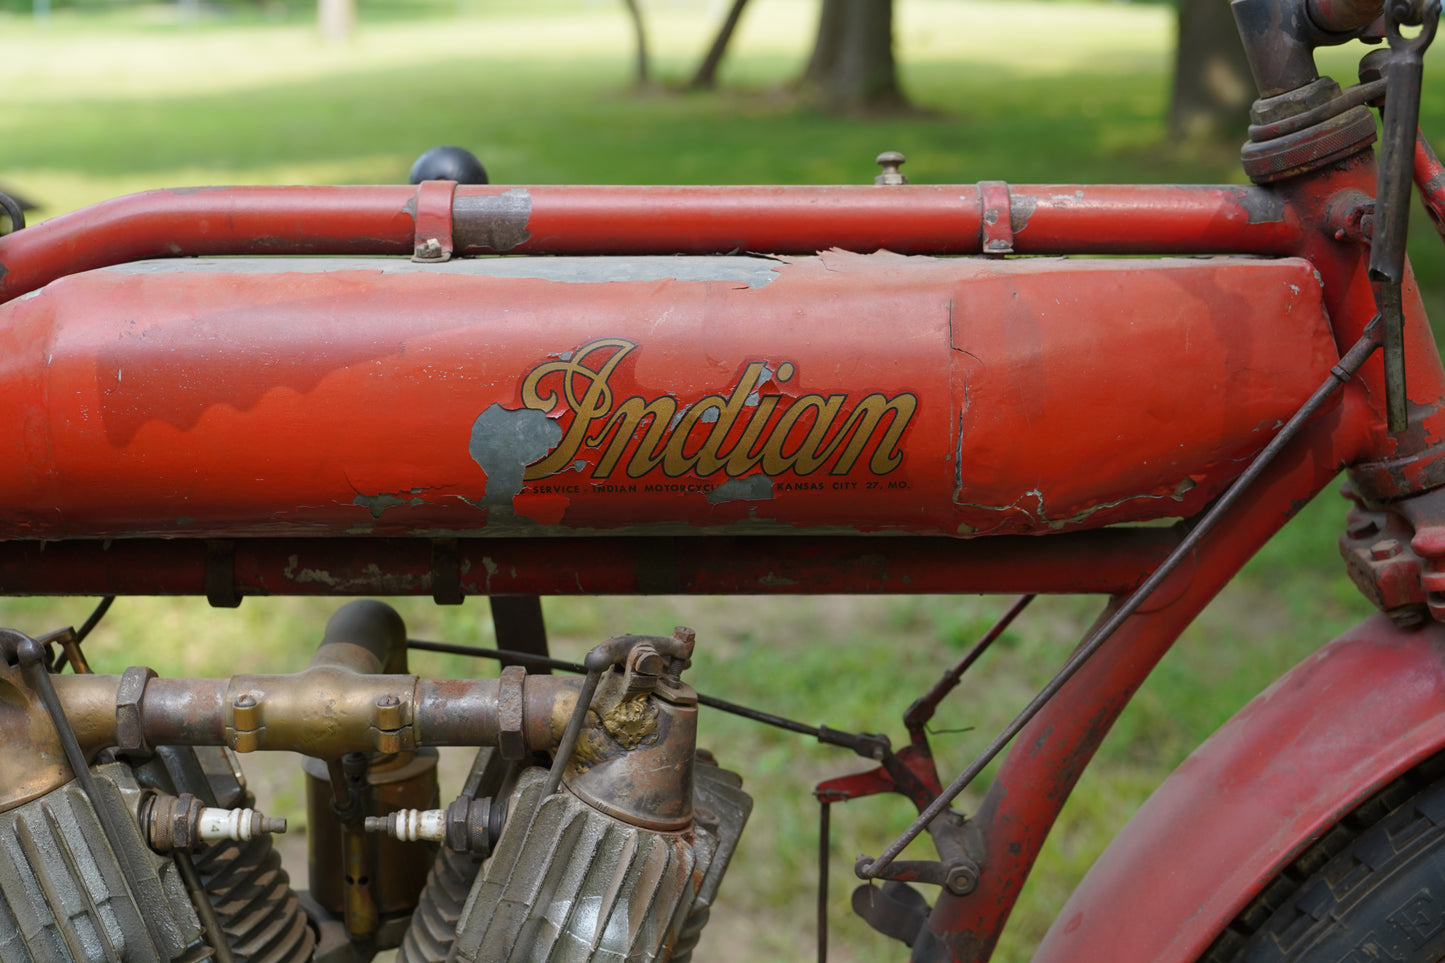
(613, 853)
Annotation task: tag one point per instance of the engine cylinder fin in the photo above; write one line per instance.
(567, 883)
(571, 884)
(63, 896)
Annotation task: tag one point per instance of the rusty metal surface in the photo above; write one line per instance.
(34, 763)
(1315, 146)
(1430, 180)
(997, 220)
(433, 240)
(1342, 16)
(322, 712)
(1398, 141)
(129, 731)
(1276, 38)
(637, 764)
(511, 740)
(1382, 562)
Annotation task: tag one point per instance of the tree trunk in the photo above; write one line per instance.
(852, 65)
(706, 76)
(640, 31)
(336, 19)
(1213, 87)
(825, 44)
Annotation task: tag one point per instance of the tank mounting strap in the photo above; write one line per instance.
(996, 226)
(433, 242)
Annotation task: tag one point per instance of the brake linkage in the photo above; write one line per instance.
(1401, 117)
(898, 911)
(912, 772)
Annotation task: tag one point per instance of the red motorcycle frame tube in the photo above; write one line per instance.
(914, 219)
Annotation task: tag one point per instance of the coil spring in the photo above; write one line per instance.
(253, 899)
(433, 927)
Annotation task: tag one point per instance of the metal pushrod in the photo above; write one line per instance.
(922, 711)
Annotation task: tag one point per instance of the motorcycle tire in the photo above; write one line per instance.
(1372, 888)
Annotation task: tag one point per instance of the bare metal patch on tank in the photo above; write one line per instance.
(753, 488)
(1021, 208)
(504, 442)
(494, 222)
(743, 271)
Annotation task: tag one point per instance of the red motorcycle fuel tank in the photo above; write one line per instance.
(511, 395)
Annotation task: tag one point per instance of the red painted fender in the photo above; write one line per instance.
(1334, 729)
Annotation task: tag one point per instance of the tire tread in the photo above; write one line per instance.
(1344, 866)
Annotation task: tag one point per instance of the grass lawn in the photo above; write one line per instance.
(131, 98)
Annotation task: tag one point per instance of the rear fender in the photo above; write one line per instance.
(1333, 730)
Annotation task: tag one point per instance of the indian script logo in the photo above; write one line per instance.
(732, 434)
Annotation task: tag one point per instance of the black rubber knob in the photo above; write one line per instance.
(449, 164)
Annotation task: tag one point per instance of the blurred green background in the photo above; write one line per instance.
(103, 98)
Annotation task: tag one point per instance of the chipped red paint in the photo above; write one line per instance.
(857, 393)
(922, 219)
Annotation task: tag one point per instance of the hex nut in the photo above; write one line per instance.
(962, 879)
(129, 695)
(511, 692)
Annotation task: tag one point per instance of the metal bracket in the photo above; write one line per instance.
(894, 909)
(221, 574)
(433, 242)
(446, 572)
(996, 227)
(959, 877)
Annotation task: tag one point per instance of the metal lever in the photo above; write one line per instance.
(1392, 200)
